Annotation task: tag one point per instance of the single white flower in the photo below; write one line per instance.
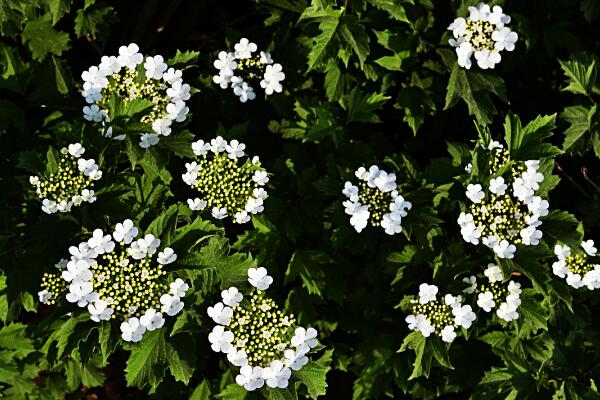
(219, 213)
(220, 314)
(93, 113)
(152, 320)
(258, 278)
(171, 304)
(448, 334)
(99, 311)
(200, 148)
(244, 48)
(589, 248)
(272, 79)
(220, 339)
(260, 177)
(179, 91)
(463, 316)
(235, 149)
(44, 296)
(148, 140)
(196, 204)
(486, 301)
(497, 186)
(504, 249)
(505, 39)
(295, 359)
(474, 193)
(129, 56)
(277, 375)
(100, 242)
(427, 293)
(162, 126)
(76, 149)
(132, 330)
(125, 232)
(493, 273)
(304, 339)
(244, 91)
(251, 378)
(155, 67)
(167, 256)
(178, 287)
(472, 282)
(231, 297)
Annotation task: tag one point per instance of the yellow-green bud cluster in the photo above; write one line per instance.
(498, 290)
(261, 329)
(437, 312)
(66, 182)
(378, 201)
(222, 182)
(578, 264)
(251, 70)
(54, 284)
(130, 84)
(479, 34)
(129, 286)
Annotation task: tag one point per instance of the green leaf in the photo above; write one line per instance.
(58, 8)
(180, 144)
(202, 391)
(335, 81)
(393, 8)
(422, 364)
(361, 107)
(163, 226)
(183, 60)
(475, 89)
(42, 39)
(582, 120)
(581, 75)
(13, 339)
(329, 20)
(353, 34)
(181, 357)
(313, 375)
(143, 365)
(59, 74)
(527, 143)
(563, 227)
(288, 393)
(94, 21)
(233, 392)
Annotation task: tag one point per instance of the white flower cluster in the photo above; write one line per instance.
(376, 198)
(508, 213)
(227, 186)
(483, 34)
(71, 184)
(441, 316)
(258, 337)
(496, 293)
(243, 71)
(124, 76)
(113, 273)
(575, 266)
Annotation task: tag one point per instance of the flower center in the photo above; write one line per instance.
(499, 291)
(378, 201)
(479, 34)
(129, 286)
(578, 264)
(224, 183)
(65, 183)
(437, 312)
(132, 85)
(251, 70)
(261, 329)
(54, 284)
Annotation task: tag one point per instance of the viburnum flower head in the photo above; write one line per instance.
(244, 70)
(258, 337)
(506, 211)
(129, 77)
(483, 35)
(228, 183)
(495, 293)
(69, 183)
(376, 200)
(575, 265)
(116, 276)
(442, 316)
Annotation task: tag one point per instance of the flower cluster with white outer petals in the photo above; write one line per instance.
(483, 34)
(258, 337)
(440, 316)
(70, 184)
(496, 294)
(125, 77)
(243, 70)
(508, 212)
(574, 266)
(375, 199)
(114, 275)
(229, 185)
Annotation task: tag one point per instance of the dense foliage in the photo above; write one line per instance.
(367, 82)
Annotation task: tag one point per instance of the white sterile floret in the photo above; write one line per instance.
(448, 334)
(254, 206)
(304, 339)
(148, 140)
(220, 339)
(82, 293)
(220, 314)
(99, 311)
(218, 145)
(259, 278)
(196, 204)
(178, 287)
(225, 63)
(201, 148)
(129, 56)
(76, 149)
(172, 75)
(350, 191)
(493, 273)
(77, 270)
(44, 296)
(238, 358)
(474, 193)
(92, 113)
(251, 378)
(171, 305)
(155, 67)
(235, 149)
(244, 48)
(504, 249)
(219, 213)
(260, 193)
(231, 297)
(272, 79)
(295, 359)
(463, 316)
(507, 312)
(531, 236)
(427, 293)
(277, 375)
(241, 217)
(472, 282)
(162, 126)
(177, 110)
(497, 186)
(486, 301)
(100, 242)
(179, 91)
(589, 248)
(244, 91)
(167, 256)
(132, 330)
(452, 301)
(152, 320)
(260, 177)
(125, 232)
(562, 251)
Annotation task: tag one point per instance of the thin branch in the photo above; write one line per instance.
(584, 172)
(566, 175)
